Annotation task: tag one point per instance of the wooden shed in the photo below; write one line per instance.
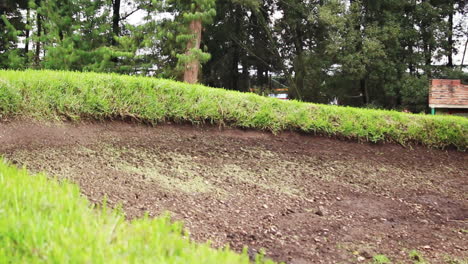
(448, 97)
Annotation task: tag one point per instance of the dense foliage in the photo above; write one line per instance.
(378, 53)
(73, 95)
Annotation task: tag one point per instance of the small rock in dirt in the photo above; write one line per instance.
(367, 253)
(268, 216)
(338, 198)
(265, 206)
(426, 247)
(320, 211)
(361, 258)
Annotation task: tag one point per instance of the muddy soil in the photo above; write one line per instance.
(298, 198)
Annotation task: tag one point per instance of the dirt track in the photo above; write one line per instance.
(304, 199)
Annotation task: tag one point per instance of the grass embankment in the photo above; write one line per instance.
(48, 94)
(46, 221)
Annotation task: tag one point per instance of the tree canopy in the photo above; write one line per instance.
(378, 53)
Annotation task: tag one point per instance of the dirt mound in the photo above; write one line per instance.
(302, 199)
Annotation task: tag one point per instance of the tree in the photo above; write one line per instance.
(295, 28)
(11, 28)
(242, 44)
(361, 52)
(190, 19)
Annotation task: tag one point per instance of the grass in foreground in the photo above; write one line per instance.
(73, 95)
(46, 221)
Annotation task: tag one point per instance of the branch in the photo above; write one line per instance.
(129, 14)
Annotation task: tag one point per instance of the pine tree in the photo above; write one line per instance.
(191, 18)
(12, 27)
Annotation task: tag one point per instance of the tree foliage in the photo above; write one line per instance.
(357, 52)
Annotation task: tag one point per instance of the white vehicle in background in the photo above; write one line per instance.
(282, 96)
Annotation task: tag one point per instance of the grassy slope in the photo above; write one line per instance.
(49, 94)
(44, 221)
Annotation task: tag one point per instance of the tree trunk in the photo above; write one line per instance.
(234, 85)
(28, 23)
(428, 59)
(115, 21)
(261, 70)
(365, 93)
(411, 67)
(193, 66)
(235, 68)
(299, 65)
(245, 76)
(39, 32)
(450, 37)
(299, 74)
(259, 42)
(362, 78)
(464, 52)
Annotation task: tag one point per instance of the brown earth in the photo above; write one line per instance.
(303, 199)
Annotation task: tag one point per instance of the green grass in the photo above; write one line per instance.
(73, 95)
(416, 257)
(46, 221)
(381, 259)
